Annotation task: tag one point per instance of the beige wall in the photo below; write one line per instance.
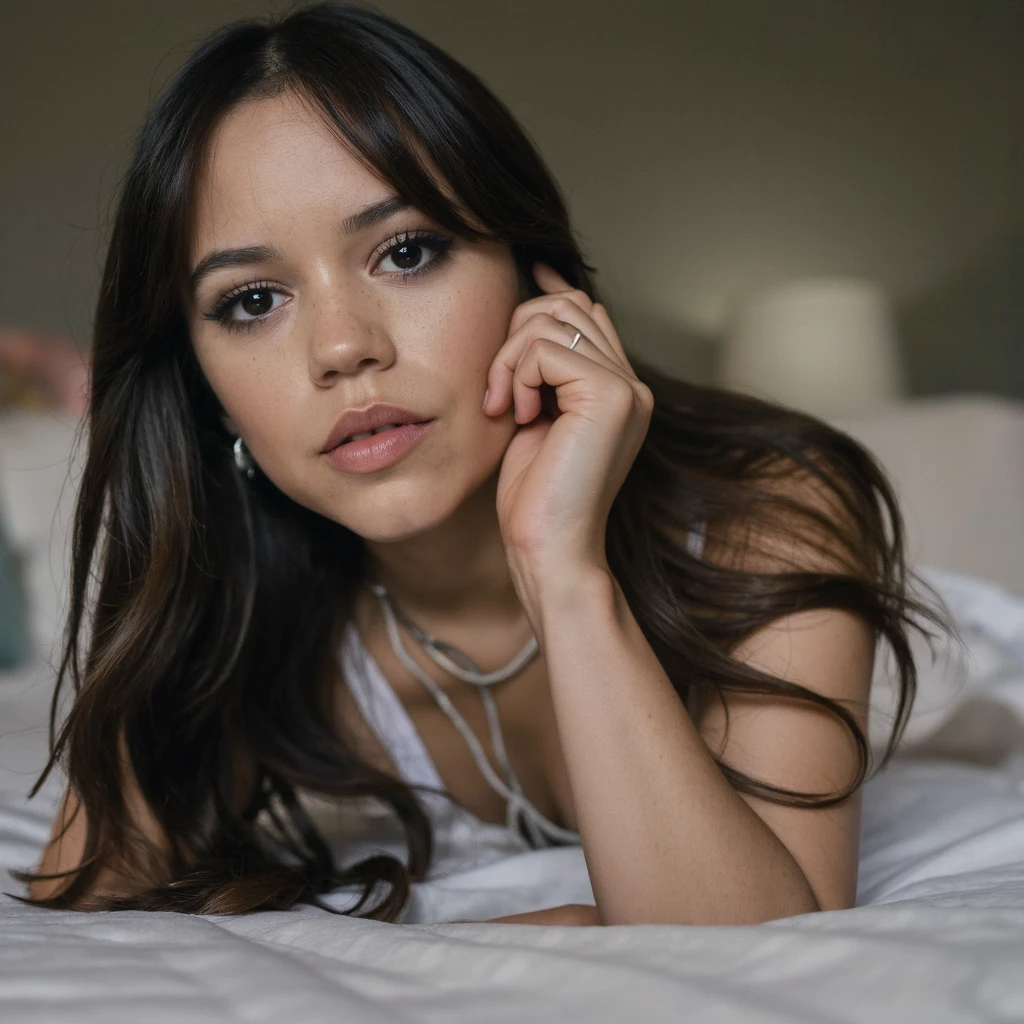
(707, 148)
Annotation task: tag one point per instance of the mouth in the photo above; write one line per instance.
(356, 425)
(370, 451)
(385, 428)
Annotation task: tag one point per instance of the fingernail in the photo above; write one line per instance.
(486, 393)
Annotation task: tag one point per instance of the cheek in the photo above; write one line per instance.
(447, 343)
(273, 421)
(473, 325)
(256, 398)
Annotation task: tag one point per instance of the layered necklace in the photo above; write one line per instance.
(519, 810)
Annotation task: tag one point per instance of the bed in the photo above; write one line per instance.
(937, 935)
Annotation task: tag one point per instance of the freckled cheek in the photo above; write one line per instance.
(469, 333)
(268, 420)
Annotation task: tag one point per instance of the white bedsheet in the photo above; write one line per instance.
(938, 934)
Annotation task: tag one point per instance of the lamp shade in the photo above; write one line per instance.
(825, 346)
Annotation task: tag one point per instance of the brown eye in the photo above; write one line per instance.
(247, 306)
(407, 255)
(256, 303)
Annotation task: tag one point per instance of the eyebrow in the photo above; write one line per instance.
(221, 258)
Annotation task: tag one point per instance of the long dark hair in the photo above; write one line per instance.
(206, 609)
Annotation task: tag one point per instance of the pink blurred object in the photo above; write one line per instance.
(41, 370)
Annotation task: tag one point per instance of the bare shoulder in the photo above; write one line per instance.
(808, 528)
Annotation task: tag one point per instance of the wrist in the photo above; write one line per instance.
(550, 593)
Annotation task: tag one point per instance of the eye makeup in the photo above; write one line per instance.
(402, 246)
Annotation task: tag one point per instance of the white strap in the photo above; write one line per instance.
(517, 801)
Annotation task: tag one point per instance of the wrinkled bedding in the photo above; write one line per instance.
(938, 933)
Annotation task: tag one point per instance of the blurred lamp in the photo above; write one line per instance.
(825, 346)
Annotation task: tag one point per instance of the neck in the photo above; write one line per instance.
(456, 570)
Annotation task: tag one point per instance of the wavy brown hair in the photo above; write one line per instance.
(206, 609)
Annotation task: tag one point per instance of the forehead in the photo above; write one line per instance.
(274, 162)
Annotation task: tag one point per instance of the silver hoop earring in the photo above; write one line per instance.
(243, 460)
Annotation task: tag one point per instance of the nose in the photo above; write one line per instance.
(347, 332)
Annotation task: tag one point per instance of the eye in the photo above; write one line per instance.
(253, 301)
(256, 301)
(407, 253)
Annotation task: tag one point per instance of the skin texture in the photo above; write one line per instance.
(496, 520)
(347, 332)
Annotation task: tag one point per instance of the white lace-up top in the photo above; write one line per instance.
(356, 828)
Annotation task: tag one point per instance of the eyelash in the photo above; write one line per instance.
(439, 243)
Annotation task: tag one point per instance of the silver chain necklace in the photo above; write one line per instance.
(518, 805)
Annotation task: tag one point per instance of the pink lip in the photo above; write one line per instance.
(378, 451)
(358, 421)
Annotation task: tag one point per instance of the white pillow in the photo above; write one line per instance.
(970, 700)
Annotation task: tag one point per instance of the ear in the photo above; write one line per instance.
(229, 425)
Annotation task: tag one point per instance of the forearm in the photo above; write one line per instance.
(569, 914)
(666, 837)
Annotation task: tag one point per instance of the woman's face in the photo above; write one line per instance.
(321, 321)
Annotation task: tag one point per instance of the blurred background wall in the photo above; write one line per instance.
(708, 148)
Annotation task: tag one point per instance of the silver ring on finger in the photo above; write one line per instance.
(579, 334)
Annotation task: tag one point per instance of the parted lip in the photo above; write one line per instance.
(358, 421)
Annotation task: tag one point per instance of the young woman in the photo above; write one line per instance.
(555, 597)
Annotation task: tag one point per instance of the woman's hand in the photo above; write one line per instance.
(566, 463)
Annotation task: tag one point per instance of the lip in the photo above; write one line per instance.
(378, 451)
(358, 421)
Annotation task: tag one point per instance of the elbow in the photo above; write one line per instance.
(724, 914)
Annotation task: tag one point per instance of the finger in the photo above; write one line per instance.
(525, 390)
(604, 321)
(548, 362)
(549, 279)
(542, 325)
(501, 377)
(553, 282)
(566, 311)
(565, 307)
(547, 302)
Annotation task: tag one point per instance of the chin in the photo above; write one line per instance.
(389, 511)
(399, 519)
